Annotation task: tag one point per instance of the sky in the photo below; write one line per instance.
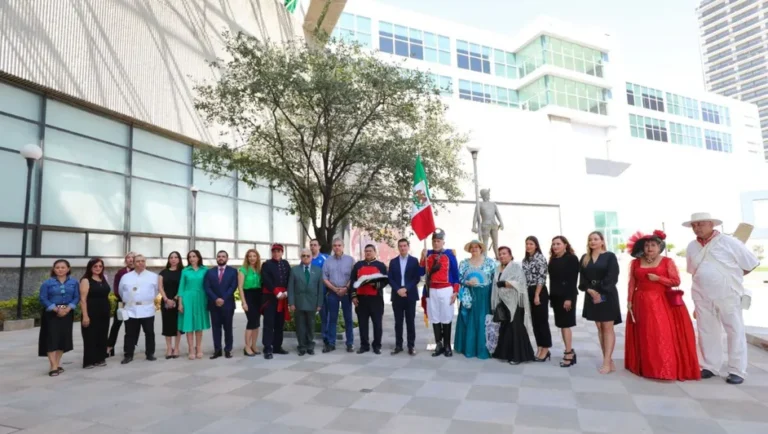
(658, 38)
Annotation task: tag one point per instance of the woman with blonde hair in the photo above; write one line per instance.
(599, 270)
(249, 286)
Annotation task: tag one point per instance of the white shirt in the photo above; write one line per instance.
(731, 257)
(139, 292)
(403, 263)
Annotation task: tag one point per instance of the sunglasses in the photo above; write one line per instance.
(305, 256)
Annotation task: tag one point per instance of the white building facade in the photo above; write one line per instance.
(570, 142)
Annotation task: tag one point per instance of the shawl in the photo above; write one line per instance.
(515, 296)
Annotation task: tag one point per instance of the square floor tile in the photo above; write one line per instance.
(413, 374)
(264, 411)
(223, 404)
(612, 422)
(256, 389)
(381, 402)
(339, 369)
(335, 398)
(431, 407)
(493, 394)
(309, 416)
(546, 417)
(735, 410)
(182, 423)
(677, 425)
(673, 407)
(232, 425)
(357, 383)
(317, 379)
(358, 420)
(714, 388)
(399, 386)
(559, 383)
(643, 386)
(547, 397)
(408, 424)
(464, 427)
(486, 411)
(293, 394)
(442, 389)
(222, 385)
(283, 377)
(736, 427)
(605, 402)
(307, 366)
(580, 384)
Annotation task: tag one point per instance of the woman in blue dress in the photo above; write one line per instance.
(476, 279)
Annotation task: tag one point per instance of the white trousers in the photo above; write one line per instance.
(439, 307)
(712, 316)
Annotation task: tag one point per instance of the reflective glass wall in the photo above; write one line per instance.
(104, 187)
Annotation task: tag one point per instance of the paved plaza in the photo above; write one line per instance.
(349, 393)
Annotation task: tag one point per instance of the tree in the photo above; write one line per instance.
(335, 128)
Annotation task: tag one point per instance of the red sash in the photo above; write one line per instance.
(282, 304)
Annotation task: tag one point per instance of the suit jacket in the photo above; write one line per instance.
(412, 278)
(224, 290)
(303, 295)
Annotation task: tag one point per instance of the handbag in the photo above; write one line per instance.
(675, 297)
(501, 313)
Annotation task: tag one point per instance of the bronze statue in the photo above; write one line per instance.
(486, 213)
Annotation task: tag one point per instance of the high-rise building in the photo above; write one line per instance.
(733, 52)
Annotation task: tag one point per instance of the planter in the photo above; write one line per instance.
(20, 324)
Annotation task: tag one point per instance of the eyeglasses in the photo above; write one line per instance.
(305, 256)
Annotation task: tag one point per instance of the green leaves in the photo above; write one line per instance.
(335, 127)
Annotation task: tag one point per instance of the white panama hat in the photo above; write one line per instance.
(702, 217)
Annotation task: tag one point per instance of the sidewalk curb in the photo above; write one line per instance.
(758, 340)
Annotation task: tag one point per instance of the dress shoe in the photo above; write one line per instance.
(448, 352)
(411, 352)
(228, 354)
(268, 356)
(151, 358)
(734, 379)
(377, 351)
(311, 352)
(350, 349)
(546, 357)
(439, 350)
(126, 360)
(397, 350)
(302, 352)
(245, 353)
(362, 350)
(216, 355)
(329, 348)
(706, 374)
(280, 351)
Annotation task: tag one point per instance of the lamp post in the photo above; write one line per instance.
(194, 191)
(31, 153)
(474, 150)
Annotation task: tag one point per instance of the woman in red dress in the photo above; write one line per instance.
(660, 342)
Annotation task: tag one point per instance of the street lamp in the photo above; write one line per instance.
(194, 191)
(31, 153)
(474, 150)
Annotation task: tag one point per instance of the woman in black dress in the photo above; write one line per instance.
(94, 304)
(59, 296)
(168, 283)
(563, 281)
(535, 268)
(599, 275)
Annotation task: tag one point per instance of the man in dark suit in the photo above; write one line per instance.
(305, 298)
(404, 276)
(220, 284)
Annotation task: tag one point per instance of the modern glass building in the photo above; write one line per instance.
(733, 52)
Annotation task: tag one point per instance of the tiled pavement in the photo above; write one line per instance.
(349, 393)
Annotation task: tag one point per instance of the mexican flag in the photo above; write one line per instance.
(422, 220)
(291, 5)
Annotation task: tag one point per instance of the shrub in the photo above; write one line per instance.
(290, 326)
(681, 253)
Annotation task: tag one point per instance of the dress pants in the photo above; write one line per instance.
(540, 317)
(272, 329)
(333, 302)
(305, 322)
(221, 317)
(114, 331)
(404, 309)
(324, 316)
(369, 307)
(132, 328)
(711, 317)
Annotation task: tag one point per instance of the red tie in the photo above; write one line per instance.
(221, 273)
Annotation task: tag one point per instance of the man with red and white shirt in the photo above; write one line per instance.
(718, 264)
(440, 291)
(369, 298)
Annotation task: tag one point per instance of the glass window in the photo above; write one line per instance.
(253, 220)
(473, 57)
(292, 253)
(211, 183)
(280, 199)
(263, 250)
(19, 102)
(10, 241)
(175, 245)
(286, 227)
(215, 216)
(145, 166)
(13, 172)
(260, 194)
(600, 219)
(106, 245)
(69, 118)
(17, 133)
(79, 197)
(149, 247)
(157, 145)
(56, 243)
(242, 249)
(649, 128)
(76, 149)
(227, 247)
(207, 250)
(159, 209)
(354, 29)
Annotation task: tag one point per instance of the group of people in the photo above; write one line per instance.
(503, 309)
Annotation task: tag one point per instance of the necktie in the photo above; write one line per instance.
(221, 273)
(306, 274)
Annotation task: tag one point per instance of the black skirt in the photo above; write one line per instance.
(170, 319)
(514, 343)
(605, 311)
(55, 333)
(563, 319)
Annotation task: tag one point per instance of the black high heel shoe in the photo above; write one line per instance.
(567, 363)
(245, 353)
(545, 358)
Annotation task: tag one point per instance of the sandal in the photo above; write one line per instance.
(54, 373)
(60, 369)
(567, 363)
(605, 369)
(256, 351)
(89, 367)
(200, 355)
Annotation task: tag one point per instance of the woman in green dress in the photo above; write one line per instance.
(249, 285)
(476, 278)
(193, 304)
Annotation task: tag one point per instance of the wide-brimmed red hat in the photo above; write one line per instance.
(636, 243)
(277, 246)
